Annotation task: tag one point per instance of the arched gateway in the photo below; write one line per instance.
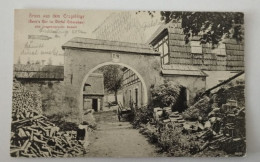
(84, 55)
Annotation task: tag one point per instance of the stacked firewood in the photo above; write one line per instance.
(33, 135)
(37, 137)
(26, 104)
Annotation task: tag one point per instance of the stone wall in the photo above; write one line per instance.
(193, 84)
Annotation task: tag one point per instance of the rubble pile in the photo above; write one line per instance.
(175, 117)
(225, 129)
(33, 135)
(231, 92)
(199, 110)
(222, 128)
(215, 124)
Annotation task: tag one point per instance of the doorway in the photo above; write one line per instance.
(181, 102)
(95, 104)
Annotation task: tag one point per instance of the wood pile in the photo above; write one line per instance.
(33, 135)
(26, 104)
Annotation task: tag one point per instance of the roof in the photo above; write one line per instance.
(180, 67)
(34, 71)
(100, 75)
(183, 72)
(172, 27)
(177, 69)
(95, 85)
(98, 44)
(153, 38)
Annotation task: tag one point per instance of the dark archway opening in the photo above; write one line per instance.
(95, 104)
(181, 103)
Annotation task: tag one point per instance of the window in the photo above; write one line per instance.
(166, 59)
(196, 47)
(130, 97)
(136, 97)
(162, 47)
(127, 75)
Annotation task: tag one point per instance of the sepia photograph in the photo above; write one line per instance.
(110, 83)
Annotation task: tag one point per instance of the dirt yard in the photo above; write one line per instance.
(117, 139)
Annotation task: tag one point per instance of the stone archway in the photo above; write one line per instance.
(83, 56)
(145, 97)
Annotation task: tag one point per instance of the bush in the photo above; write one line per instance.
(165, 95)
(198, 96)
(173, 141)
(142, 116)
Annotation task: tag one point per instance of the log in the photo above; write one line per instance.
(204, 146)
(33, 135)
(222, 83)
(27, 120)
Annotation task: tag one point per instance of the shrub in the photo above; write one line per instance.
(142, 116)
(177, 144)
(165, 95)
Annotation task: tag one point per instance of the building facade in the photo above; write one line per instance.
(178, 57)
(193, 65)
(93, 92)
(132, 89)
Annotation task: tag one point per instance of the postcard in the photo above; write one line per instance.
(105, 83)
